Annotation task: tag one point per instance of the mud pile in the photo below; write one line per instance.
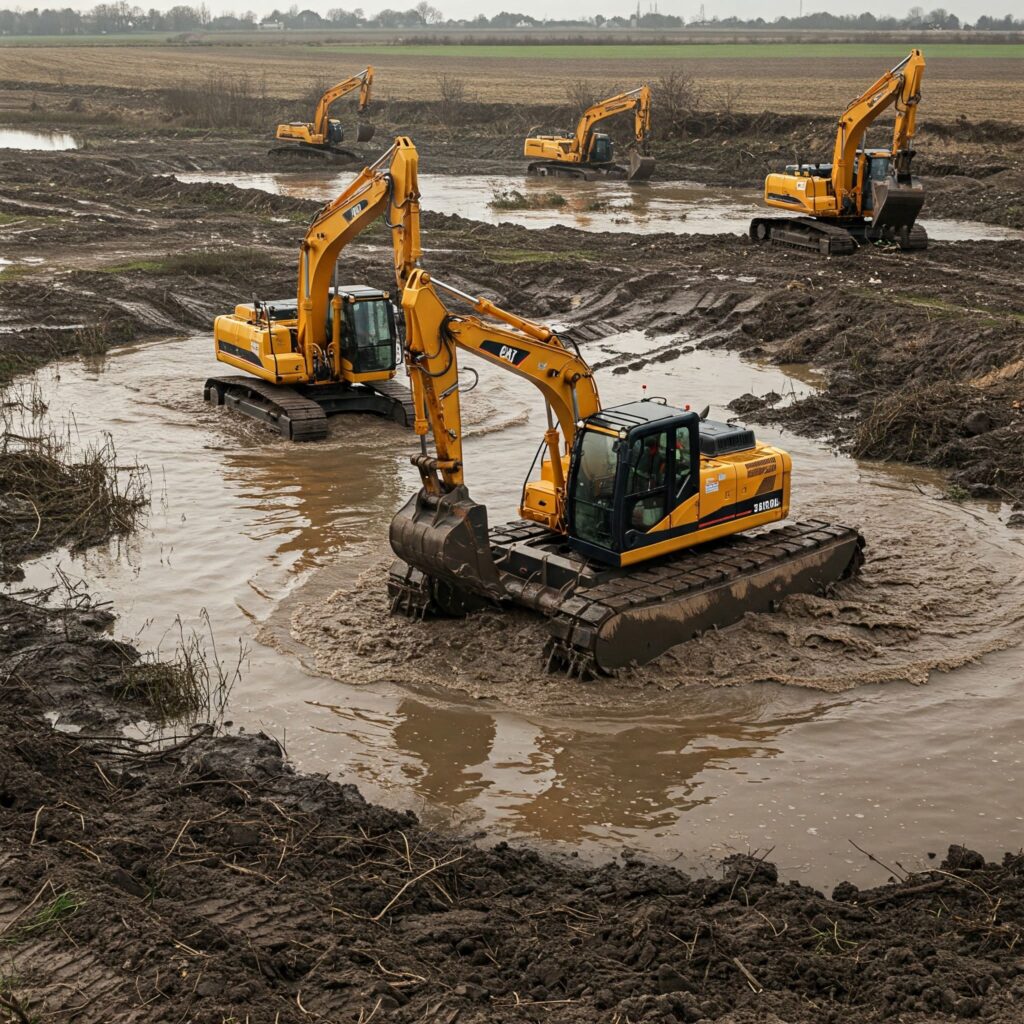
(205, 879)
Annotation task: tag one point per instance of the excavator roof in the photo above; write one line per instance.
(635, 414)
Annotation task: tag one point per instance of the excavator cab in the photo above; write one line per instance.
(602, 149)
(632, 466)
(368, 333)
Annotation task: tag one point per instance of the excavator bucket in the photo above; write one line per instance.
(640, 167)
(895, 205)
(364, 132)
(443, 542)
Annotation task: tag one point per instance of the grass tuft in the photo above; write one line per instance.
(513, 199)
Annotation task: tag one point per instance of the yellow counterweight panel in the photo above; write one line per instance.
(800, 193)
(252, 347)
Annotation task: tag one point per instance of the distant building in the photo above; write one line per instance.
(273, 26)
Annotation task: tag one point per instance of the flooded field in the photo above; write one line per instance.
(800, 731)
(16, 138)
(680, 208)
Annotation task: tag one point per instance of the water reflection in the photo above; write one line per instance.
(682, 208)
(16, 138)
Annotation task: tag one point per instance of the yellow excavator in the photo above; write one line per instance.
(632, 537)
(863, 195)
(589, 154)
(334, 346)
(323, 137)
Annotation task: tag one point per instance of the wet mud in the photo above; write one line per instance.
(199, 876)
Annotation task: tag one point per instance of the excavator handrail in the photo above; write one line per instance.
(363, 81)
(389, 187)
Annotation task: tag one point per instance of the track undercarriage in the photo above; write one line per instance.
(600, 618)
(300, 413)
(826, 238)
(640, 169)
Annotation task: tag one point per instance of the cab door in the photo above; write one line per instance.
(661, 473)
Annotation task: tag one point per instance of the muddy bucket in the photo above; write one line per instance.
(896, 205)
(640, 167)
(364, 132)
(445, 537)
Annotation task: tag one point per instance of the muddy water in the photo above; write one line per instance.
(711, 751)
(16, 138)
(678, 207)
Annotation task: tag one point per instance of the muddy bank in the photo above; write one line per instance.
(204, 877)
(103, 252)
(972, 169)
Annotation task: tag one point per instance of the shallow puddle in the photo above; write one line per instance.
(16, 138)
(714, 749)
(678, 207)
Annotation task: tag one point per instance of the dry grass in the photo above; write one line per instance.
(53, 494)
(189, 687)
(989, 88)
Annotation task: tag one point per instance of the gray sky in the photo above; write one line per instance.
(686, 9)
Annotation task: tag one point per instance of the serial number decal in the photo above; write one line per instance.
(767, 505)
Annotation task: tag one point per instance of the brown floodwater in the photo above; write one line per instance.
(683, 208)
(890, 715)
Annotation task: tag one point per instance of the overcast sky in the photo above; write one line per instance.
(686, 9)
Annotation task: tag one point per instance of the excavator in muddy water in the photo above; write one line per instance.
(590, 154)
(864, 195)
(323, 137)
(334, 347)
(633, 538)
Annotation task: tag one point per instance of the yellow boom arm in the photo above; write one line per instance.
(433, 334)
(363, 82)
(388, 187)
(637, 100)
(902, 86)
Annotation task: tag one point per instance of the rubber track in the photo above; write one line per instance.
(840, 241)
(298, 418)
(400, 394)
(693, 574)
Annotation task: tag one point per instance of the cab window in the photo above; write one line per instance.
(370, 341)
(647, 481)
(594, 489)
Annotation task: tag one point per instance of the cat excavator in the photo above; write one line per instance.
(633, 537)
(590, 154)
(333, 347)
(863, 195)
(323, 137)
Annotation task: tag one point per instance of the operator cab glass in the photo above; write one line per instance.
(633, 465)
(601, 149)
(368, 334)
(877, 169)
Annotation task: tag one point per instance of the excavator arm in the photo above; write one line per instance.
(363, 82)
(902, 86)
(433, 336)
(389, 188)
(636, 100)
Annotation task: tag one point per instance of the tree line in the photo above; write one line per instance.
(122, 17)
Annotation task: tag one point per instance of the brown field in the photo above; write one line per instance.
(976, 88)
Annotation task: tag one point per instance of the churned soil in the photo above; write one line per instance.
(202, 879)
(199, 878)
